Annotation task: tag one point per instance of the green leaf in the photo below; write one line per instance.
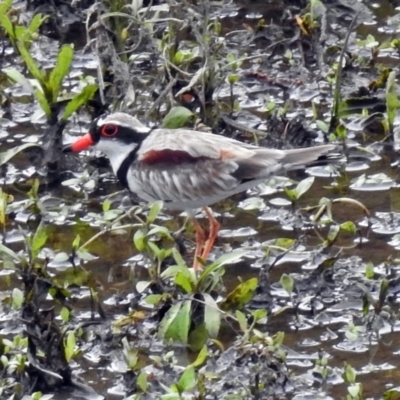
(69, 346)
(76, 243)
(212, 316)
(17, 298)
(65, 314)
(36, 22)
(349, 374)
(39, 240)
(44, 104)
(333, 233)
(155, 209)
(10, 253)
(177, 117)
(6, 23)
(168, 319)
(304, 186)
(19, 78)
(201, 358)
(5, 6)
(183, 280)
(79, 100)
(141, 381)
(31, 65)
(139, 240)
(348, 226)
(187, 380)
(241, 295)
(287, 282)
(178, 322)
(61, 69)
(392, 98)
(153, 298)
(242, 320)
(7, 155)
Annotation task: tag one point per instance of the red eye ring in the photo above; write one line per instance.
(109, 130)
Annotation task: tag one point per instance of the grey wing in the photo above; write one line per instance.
(185, 182)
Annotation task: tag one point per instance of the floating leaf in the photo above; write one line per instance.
(177, 117)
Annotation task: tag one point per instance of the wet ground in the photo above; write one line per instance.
(341, 312)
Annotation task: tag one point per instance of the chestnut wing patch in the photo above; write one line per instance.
(168, 156)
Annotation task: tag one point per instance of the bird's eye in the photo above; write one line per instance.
(109, 130)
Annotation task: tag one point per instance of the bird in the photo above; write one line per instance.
(187, 169)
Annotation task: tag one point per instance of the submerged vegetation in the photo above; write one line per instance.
(98, 294)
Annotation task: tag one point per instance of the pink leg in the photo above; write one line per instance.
(214, 229)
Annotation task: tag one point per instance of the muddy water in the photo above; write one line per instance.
(308, 330)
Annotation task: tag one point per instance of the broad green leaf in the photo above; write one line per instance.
(198, 337)
(61, 69)
(39, 240)
(242, 320)
(348, 226)
(177, 117)
(168, 319)
(155, 209)
(349, 374)
(153, 299)
(79, 100)
(69, 346)
(212, 316)
(141, 381)
(139, 240)
(241, 295)
(7, 155)
(187, 380)
(22, 80)
(183, 280)
(304, 186)
(5, 6)
(17, 298)
(178, 327)
(65, 314)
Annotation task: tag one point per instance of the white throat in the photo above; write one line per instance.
(115, 151)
